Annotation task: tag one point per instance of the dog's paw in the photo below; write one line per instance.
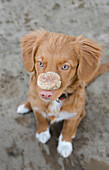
(64, 148)
(73, 137)
(43, 137)
(22, 109)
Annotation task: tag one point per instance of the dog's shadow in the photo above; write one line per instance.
(52, 157)
(49, 150)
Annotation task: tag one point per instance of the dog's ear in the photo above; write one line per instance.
(88, 54)
(29, 45)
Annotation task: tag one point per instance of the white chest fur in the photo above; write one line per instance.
(54, 110)
(54, 107)
(63, 116)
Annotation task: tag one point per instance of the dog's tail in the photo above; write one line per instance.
(101, 69)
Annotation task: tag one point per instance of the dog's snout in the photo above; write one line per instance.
(49, 81)
(46, 94)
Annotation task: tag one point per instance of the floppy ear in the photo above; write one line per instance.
(29, 45)
(88, 53)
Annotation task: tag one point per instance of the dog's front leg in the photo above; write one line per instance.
(42, 132)
(67, 134)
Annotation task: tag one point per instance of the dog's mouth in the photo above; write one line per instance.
(46, 94)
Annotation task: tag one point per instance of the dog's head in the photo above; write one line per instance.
(57, 60)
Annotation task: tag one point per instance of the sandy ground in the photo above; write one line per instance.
(19, 150)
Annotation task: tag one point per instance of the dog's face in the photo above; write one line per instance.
(57, 60)
(54, 57)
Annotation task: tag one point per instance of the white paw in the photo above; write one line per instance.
(73, 137)
(64, 148)
(22, 109)
(43, 137)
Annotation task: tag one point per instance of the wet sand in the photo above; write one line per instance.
(19, 150)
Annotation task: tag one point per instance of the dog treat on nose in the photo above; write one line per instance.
(49, 81)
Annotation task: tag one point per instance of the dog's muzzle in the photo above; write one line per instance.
(49, 81)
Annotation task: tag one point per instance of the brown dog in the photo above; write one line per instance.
(61, 66)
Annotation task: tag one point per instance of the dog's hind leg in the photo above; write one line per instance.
(24, 108)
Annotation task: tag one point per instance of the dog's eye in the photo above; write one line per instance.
(65, 67)
(40, 64)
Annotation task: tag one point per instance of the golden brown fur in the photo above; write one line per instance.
(53, 50)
